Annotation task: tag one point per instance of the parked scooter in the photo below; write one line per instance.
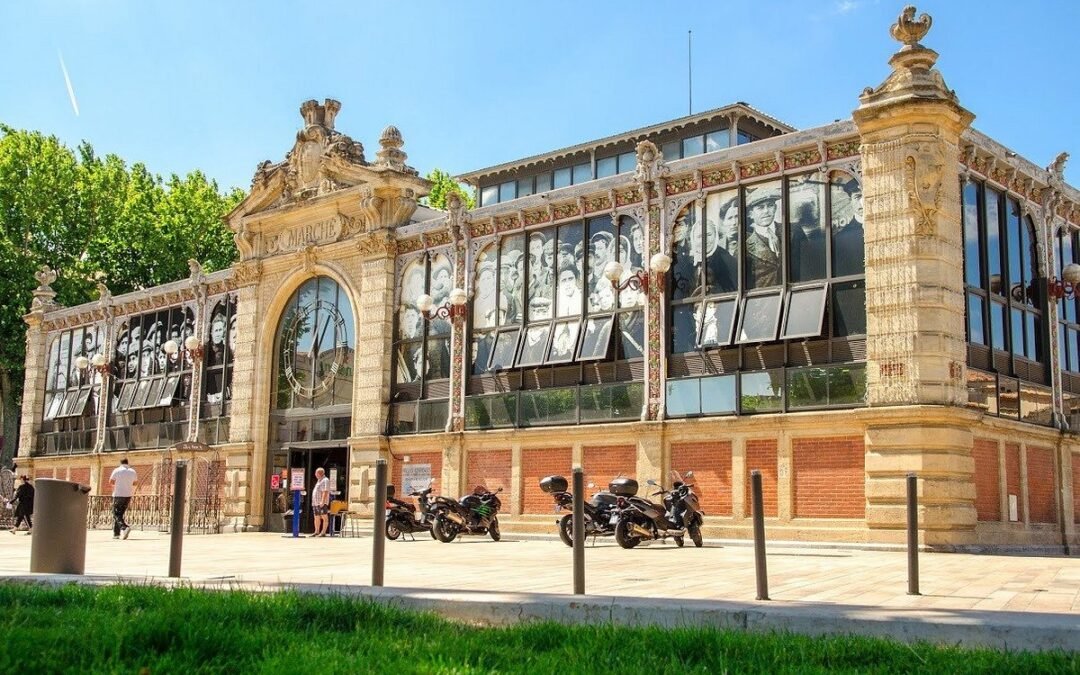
(476, 513)
(680, 515)
(598, 510)
(403, 518)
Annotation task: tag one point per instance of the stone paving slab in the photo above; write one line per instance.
(1005, 601)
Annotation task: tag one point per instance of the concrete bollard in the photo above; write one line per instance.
(579, 531)
(912, 535)
(759, 536)
(378, 548)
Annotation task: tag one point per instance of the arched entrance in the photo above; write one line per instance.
(311, 397)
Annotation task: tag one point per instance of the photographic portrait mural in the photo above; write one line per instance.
(71, 391)
(422, 347)
(145, 375)
(549, 301)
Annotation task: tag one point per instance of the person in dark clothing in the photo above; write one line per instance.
(24, 504)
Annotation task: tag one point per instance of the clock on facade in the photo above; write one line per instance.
(314, 346)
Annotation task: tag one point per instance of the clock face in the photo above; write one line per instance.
(314, 347)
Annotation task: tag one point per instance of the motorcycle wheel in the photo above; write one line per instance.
(494, 530)
(566, 529)
(431, 531)
(392, 530)
(443, 529)
(678, 541)
(695, 534)
(623, 536)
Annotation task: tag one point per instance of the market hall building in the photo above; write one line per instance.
(835, 307)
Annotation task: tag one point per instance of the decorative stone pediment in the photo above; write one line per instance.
(325, 190)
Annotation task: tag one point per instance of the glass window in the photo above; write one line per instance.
(524, 187)
(315, 347)
(508, 191)
(1016, 328)
(627, 162)
(548, 406)
(562, 177)
(534, 346)
(849, 307)
(511, 279)
(570, 265)
(805, 310)
(631, 335)
(502, 356)
(717, 140)
(489, 195)
(481, 352)
(608, 166)
(683, 397)
(721, 242)
(847, 384)
(764, 236)
(438, 359)
(976, 325)
(762, 391)
(1027, 257)
(806, 197)
(745, 137)
(564, 340)
(1013, 238)
(972, 260)
(684, 328)
(543, 182)
(760, 318)
(582, 173)
(695, 145)
(807, 387)
(595, 339)
(602, 250)
(997, 325)
(671, 150)
(718, 394)
(541, 274)
(717, 322)
(685, 255)
(993, 241)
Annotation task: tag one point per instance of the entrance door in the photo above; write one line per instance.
(332, 460)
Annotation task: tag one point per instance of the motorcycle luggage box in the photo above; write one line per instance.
(389, 490)
(553, 484)
(604, 499)
(623, 487)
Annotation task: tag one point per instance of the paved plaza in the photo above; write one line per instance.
(1005, 602)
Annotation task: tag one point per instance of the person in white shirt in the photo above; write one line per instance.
(123, 479)
(320, 502)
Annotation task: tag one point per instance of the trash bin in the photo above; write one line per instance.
(58, 544)
(286, 521)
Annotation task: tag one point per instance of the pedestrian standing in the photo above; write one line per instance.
(24, 504)
(123, 479)
(320, 502)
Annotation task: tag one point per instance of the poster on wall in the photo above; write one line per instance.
(415, 478)
(296, 481)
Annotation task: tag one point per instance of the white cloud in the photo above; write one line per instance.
(67, 81)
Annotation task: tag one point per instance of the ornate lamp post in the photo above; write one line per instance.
(454, 310)
(659, 264)
(99, 363)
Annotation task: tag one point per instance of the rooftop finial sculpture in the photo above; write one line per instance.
(910, 30)
(1057, 167)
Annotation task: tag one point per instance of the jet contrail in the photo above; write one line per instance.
(67, 81)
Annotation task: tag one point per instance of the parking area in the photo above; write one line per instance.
(718, 571)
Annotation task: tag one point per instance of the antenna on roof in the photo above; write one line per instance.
(690, 71)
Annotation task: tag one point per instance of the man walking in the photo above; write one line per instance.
(123, 480)
(320, 502)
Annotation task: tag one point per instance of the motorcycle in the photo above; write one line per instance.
(476, 513)
(679, 515)
(597, 510)
(403, 518)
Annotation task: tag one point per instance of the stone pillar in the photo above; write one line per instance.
(37, 353)
(910, 130)
(459, 341)
(374, 338)
(247, 335)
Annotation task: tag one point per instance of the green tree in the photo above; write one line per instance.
(90, 217)
(442, 184)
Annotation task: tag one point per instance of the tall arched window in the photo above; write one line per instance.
(315, 347)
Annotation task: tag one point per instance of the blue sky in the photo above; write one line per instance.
(217, 85)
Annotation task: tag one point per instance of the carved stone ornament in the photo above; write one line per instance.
(373, 244)
(908, 30)
(924, 167)
(650, 163)
(1057, 167)
(44, 294)
(247, 273)
(309, 257)
(104, 294)
(390, 154)
(196, 270)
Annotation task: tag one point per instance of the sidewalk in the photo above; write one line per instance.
(1015, 602)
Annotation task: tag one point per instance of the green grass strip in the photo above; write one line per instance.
(147, 629)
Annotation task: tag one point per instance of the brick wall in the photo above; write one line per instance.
(432, 458)
(79, 475)
(711, 464)
(535, 464)
(601, 464)
(987, 484)
(1076, 487)
(490, 468)
(761, 455)
(43, 473)
(1012, 478)
(829, 477)
(1040, 475)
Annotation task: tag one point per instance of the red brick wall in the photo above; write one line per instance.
(491, 469)
(761, 455)
(1012, 478)
(711, 464)
(535, 464)
(830, 477)
(43, 473)
(432, 458)
(1076, 487)
(601, 464)
(987, 485)
(1040, 475)
(79, 475)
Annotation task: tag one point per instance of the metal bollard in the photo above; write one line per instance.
(912, 535)
(579, 531)
(759, 536)
(176, 528)
(378, 548)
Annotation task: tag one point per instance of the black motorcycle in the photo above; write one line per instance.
(598, 510)
(403, 518)
(476, 513)
(680, 515)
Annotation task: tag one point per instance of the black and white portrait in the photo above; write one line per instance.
(511, 280)
(438, 359)
(505, 348)
(849, 252)
(720, 247)
(631, 335)
(684, 272)
(410, 321)
(806, 195)
(570, 275)
(541, 275)
(481, 352)
(410, 362)
(484, 288)
(595, 338)
(764, 232)
(564, 340)
(602, 250)
(442, 282)
(534, 346)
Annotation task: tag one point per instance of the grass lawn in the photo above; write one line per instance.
(141, 629)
